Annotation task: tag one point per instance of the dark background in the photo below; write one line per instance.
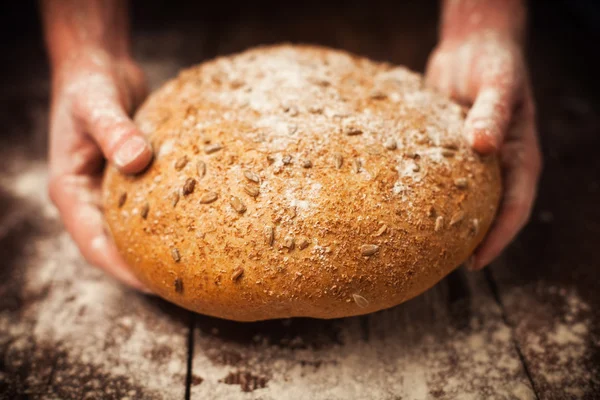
(556, 253)
(21, 32)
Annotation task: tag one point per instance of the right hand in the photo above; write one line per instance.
(93, 96)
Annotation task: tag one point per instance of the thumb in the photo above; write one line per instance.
(489, 118)
(121, 141)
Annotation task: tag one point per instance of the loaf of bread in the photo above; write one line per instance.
(300, 181)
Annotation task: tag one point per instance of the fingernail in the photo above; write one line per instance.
(130, 151)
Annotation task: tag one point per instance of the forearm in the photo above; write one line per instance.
(75, 26)
(462, 18)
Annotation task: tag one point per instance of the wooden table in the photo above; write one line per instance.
(526, 328)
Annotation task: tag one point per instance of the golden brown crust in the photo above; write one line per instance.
(300, 181)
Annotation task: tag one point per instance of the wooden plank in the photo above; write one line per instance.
(451, 342)
(66, 330)
(548, 280)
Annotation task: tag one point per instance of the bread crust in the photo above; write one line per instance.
(300, 181)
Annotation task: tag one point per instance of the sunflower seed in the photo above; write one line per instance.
(360, 301)
(439, 223)
(303, 243)
(457, 217)
(212, 148)
(270, 235)
(181, 162)
(391, 144)
(237, 273)
(237, 204)
(315, 109)
(236, 84)
(201, 169)
(307, 164)
(178, 285)
(188, 186)
(251, 176)
(339, 160)
(122, 199)
(450, 145)
(251, 190)
(288, 243)
(461, 183)
(381, 230)
(357, 165)
(175, 198)
(475, 226)
(368, 250)
(431, 212)
(144, 210)
(352, 131)
(377, 95)
(447, 153)
(175, 254)
(293, 111)
(208, 198)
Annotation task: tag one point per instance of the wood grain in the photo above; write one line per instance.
(531, 322)
(449, 343)
(66, 330)
(548, 280)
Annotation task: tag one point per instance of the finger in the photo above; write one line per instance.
(494, 87)
(439, 74)
(138, 83)
(78, 204)
(489, 118)
(522, 163)
(107, 122)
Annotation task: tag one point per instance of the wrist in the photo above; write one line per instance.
(75, 28)
(501, 19)
(94, 56)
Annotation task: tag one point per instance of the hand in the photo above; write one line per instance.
(487, 71)
(93, 94)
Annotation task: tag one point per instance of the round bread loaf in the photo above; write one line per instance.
(300, 181)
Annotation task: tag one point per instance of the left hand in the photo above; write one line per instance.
(487, 71)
